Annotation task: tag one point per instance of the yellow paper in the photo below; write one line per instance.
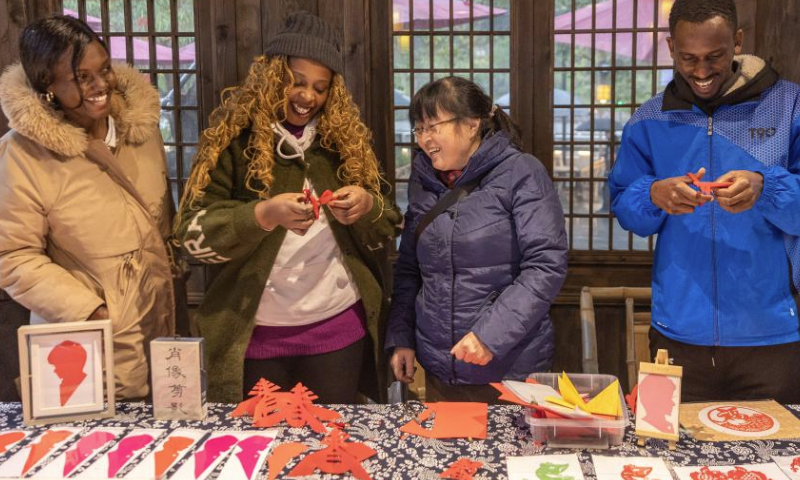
(569, 393)
(559, 401)
(606, 402)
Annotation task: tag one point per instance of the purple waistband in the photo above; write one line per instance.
(331, 334)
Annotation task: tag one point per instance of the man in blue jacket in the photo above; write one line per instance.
(725, 262)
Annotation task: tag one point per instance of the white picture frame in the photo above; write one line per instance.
(66, 372)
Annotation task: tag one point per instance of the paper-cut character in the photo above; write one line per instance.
(127, 447)
(84, 448)
(636, 472)
(211, 451)
(741, 419)
(250, 450)
(172, 448)
(43, 446)
(68, 359)
(553, 471)
(338, 457)
(655, 394)
(795, 466)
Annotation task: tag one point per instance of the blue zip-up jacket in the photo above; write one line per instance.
(719, 279)
(491, 264)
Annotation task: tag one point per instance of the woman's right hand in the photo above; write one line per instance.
(402, 363)
(288, 210)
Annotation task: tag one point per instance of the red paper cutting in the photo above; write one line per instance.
(636, 472)
(44, 446)
(630, 398)
(462, 469)
(326, 197)
(281, 455)
(296, 407)
(738, 473)
(707, 187)
(795, 466)
(451, 420)
(337, 458)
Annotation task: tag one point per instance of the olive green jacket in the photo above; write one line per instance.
(222, 229)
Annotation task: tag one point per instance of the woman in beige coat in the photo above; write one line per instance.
(84, 193)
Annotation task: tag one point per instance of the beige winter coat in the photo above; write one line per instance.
(82, 226)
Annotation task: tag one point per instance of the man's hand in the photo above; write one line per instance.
(288, 210)
(352, 202)
(743, 194)
(676, 197)
(470, 349)
(402, 363)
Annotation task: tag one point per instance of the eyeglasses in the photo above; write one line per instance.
(432, 129)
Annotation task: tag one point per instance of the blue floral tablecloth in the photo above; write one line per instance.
(411, 457)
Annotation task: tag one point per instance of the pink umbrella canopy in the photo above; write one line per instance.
(647, 43)
(440, 16)
(141, 47)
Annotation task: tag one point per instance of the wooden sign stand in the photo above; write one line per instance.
(658, 400)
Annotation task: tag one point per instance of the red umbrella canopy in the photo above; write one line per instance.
(647, 43)
(439, 16)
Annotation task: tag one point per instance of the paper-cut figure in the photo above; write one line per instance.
(250, 451)
(127, 447)
(338, 457)
(636, 472)
(462, 469)
(795, 466)
(553, 471)
(295, 407)
(43, 446)
(450, 420)
(211, 451)
(741, 419)
(84, 448)
(170, 451)
(281, 456)
(9, 438)
(738, 473)
(68, 359)
(655, 393)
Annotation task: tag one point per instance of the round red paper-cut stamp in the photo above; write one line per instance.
(740, 421)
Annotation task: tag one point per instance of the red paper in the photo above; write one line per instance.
(326, 197)
(281, 455)
(338, 457)
(451, 420)
(271, 407)
(707, 187)
(462, 469)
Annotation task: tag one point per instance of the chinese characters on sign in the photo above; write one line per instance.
(179, 391)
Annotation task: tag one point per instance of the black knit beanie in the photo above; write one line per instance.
(306, 35)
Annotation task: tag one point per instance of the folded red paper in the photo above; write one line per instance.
(451, 420)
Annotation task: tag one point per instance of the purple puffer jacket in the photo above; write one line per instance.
(491, 264)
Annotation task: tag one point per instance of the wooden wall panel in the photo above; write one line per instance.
(249, 38)
(776, 36)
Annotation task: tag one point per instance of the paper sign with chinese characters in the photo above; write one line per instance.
(179, 378)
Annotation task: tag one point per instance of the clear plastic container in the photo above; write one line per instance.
(578, 433)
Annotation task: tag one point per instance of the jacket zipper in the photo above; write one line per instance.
(453, 296)
(714, 293)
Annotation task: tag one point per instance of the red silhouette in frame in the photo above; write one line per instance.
(68, 359)
(655, 393)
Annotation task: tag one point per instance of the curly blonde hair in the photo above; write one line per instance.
(260, 102)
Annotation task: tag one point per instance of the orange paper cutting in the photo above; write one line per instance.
(338, 457)
(44, 446)
(451, 420)
(10, 438)
(295, 407)
(281, 456)
(462, 469)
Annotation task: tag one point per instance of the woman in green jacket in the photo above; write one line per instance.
(299, 294)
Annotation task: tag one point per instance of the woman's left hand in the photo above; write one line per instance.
(352, 202)
(470, 349)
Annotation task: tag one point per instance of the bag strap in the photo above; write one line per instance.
(451, 198)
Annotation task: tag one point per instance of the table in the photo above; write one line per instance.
(421, 458)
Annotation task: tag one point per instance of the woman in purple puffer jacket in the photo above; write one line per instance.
(473, 290)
